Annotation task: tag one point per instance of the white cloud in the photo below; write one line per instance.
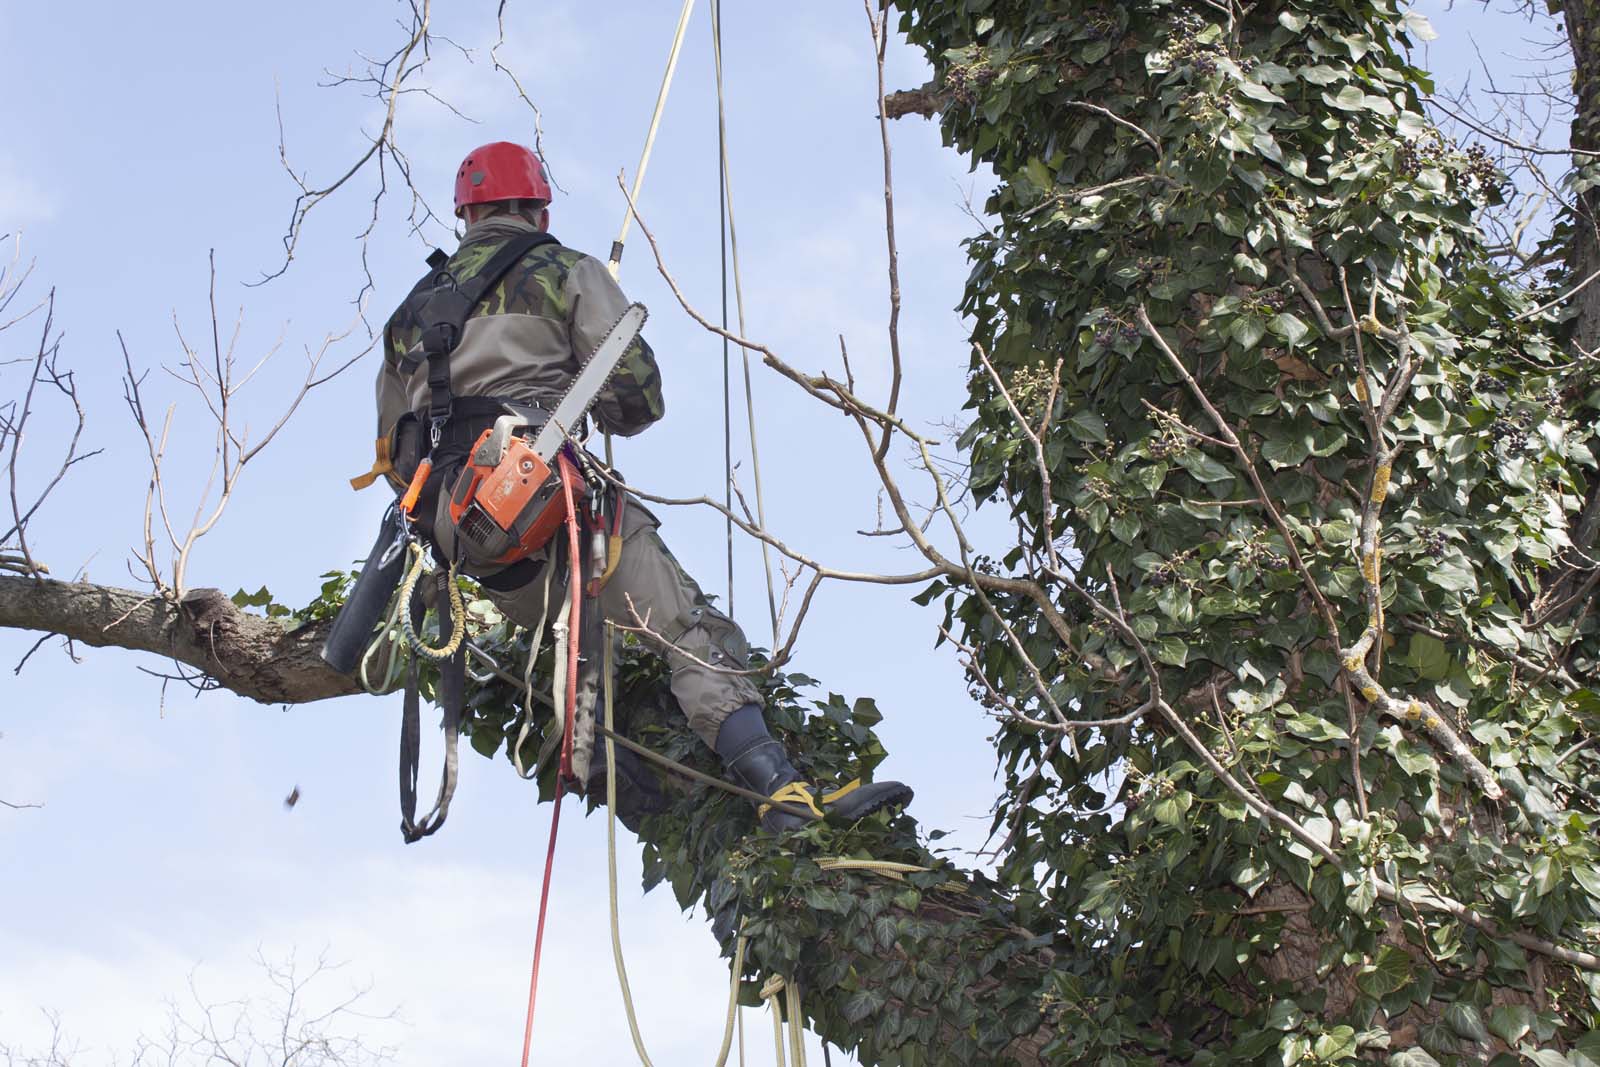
(25, 200)
(446, 945)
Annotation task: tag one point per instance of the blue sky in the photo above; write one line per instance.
(150, 137)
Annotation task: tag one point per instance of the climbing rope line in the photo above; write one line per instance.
(615, 264)
(722, 251)
(569, 477)
(611, 874)
(731, 241)
(650, 137)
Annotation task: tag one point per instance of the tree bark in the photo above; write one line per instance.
(263, 659)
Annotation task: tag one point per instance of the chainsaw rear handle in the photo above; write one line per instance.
(518, 417)
(369, 596)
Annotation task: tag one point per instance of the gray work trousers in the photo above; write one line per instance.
(648, 589)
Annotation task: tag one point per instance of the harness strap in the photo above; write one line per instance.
(445, 307)
(452, 698)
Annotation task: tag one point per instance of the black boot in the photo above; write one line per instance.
(758, 762)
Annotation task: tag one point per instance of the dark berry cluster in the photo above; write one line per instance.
(1170, 443)
(1185, 45)
(1481, 170)
(1513, 430)
(1488, 383)
(1433, 542)
(1170, 571)
(1270, 301)
(1102, 25)
(1551, 398)
(1111, 329)
(1427, 149)
(965, 81)
(1262, 555)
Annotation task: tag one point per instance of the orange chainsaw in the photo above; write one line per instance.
(506, 505)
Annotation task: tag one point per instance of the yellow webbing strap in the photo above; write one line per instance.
(797, 792)
(384, 464)
(802, 793)
(844, 790)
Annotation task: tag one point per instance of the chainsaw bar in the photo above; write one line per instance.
(585, 388)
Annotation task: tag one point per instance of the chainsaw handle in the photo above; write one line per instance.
(517, 417)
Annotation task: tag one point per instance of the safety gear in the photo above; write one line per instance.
(522, 343)
(759, 762)
(503, 503)
(500, 171)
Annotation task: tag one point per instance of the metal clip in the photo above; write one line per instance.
(402, 535)
(392, 551)
(491, 668)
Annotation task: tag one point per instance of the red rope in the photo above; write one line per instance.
(569, 475)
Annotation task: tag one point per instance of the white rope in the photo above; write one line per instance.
(650, 138)
(611, 883)
(738, 296)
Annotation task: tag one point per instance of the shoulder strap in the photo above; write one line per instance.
(443, 315)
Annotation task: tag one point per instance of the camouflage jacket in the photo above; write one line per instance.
(527, 338)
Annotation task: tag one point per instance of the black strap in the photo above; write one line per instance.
(444, 309)
(452, 698)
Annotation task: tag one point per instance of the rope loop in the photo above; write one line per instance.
(458, 610)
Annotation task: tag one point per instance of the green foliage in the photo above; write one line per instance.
(1234, 179)
(918, 969)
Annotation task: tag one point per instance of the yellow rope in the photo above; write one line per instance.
(650, 138)
(611, 875)
(458, 611)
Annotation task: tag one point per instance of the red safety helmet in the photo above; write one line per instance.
(500, 171)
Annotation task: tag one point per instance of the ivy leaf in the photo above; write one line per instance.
(1333, 1046)
(1085, 425)
(1364, 894)
(863, 1003)
(1260, 92)
(1388, 973)
(1429, 657)
(1412, 1057)
(1203, 467)
(1171, 651)
(1247, 330)
(1418, 26)
(1288, 327)
(1589, 878)
(1465, 1020)
(1315, 728)
(1347, 99)
(1169, 811)
(1286, 449)
(1509, 1022)
(1453, 577)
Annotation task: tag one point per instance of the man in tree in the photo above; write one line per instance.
(522, 343)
